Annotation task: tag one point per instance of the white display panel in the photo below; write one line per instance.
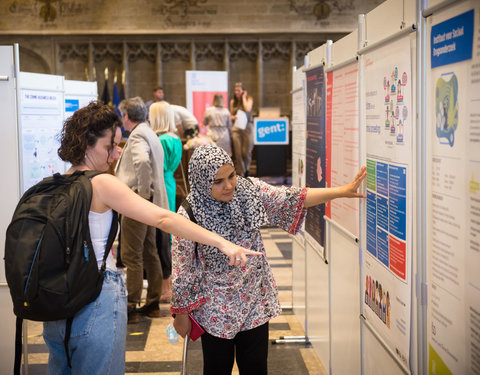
(345, 303)
(78, 94)
(41, 113)
(318, 305)
(453, 190)
(298, 279)
(377, 360)
(343, 120)
(10, 194)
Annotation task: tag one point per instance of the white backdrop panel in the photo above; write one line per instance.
(318, 304)
(377, 359)
(345, 303)
(298, 278)
(387, 18)
(8, 199)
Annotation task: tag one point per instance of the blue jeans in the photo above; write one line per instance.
(98, 336)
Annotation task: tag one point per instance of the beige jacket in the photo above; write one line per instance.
(141, 165)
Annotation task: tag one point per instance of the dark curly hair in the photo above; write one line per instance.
(84, 128)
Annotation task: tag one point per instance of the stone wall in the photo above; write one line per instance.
(180, 16)
(154, 42)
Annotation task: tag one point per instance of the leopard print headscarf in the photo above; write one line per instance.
(234, 220)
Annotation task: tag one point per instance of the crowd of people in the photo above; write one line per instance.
(210, 266)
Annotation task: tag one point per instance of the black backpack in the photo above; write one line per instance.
(50, 264)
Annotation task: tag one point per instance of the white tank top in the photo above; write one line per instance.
(100, 224)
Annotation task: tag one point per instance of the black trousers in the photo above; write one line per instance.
(249, 347)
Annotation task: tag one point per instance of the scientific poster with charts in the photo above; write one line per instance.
(387, 258)
(342, 119)
(453, 186)
(316, 163)
(41, 116)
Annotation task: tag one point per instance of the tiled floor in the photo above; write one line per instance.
(149, 351)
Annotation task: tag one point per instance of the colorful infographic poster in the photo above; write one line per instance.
(388, 248)
(453, 210)
(316, 163)
(342, 119)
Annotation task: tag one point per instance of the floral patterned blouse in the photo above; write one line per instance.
(230, 299)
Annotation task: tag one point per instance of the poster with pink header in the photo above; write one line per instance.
(201, 86)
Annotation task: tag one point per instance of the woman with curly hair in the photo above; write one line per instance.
(89, 141)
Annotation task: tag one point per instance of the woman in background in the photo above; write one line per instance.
(162, 121)
(242, 139)
(217, 119)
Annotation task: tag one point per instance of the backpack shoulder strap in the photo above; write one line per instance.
(186, 205)
(188, 208)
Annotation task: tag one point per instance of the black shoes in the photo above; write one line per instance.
(132, 316)
(152, 310)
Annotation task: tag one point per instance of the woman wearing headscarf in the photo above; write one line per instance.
(234, 304)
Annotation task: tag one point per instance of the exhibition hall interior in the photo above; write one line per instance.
(345, 136)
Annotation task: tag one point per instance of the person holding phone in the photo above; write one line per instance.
(233, 304)
(242, 134)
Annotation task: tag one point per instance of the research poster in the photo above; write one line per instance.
(299, 130)
(453, 209)
(316, 163)
(41, 116)
(387, 285)
(342, 119)
(202, 85)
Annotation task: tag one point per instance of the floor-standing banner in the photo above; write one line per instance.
(453, 211)
(387, 256)
(201, 86)
(342, 119)
(316, 164)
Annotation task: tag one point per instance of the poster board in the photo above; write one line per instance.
(343, 120)
(41, 114)
(201, 86)
(316, 168)
(387, 253)
(343, 117)
(78, 94)
(453, 191)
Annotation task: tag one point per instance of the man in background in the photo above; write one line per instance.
(141, 167)
(158, 96)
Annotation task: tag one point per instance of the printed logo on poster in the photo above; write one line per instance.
(271, 131)
(71, 105)
(452, 40)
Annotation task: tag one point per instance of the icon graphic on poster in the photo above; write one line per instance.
(446, 108)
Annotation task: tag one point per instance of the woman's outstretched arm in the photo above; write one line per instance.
(316, 196)
(113, 193)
